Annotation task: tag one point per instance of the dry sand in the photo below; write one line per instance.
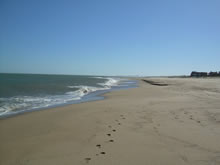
(176, 124)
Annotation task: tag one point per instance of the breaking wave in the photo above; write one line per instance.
(16, 104)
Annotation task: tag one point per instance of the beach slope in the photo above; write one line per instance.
(177, 122)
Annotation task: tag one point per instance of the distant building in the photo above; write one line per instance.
(213, 74)
(199, 74)
(205, 74)
(194, 74)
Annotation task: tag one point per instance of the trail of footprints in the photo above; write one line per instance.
(188, 114)
(109, 135)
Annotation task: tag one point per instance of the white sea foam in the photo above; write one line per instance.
(18, 103)
(23, 103)
(110, 82)
(100, 77)
(82, 90)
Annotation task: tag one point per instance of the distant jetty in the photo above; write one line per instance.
(204, 74)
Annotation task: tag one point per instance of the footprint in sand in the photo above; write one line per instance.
(98, 145)
(87, 160)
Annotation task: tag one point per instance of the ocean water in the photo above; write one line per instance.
(27, 92)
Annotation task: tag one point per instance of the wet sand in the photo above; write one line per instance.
(176, 123)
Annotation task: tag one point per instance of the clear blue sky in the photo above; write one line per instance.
(109, 37)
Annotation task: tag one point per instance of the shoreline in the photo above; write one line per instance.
(173, 124)
(93, 96)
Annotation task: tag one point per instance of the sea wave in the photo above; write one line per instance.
(82, 90)
(25, 103)
(110, 82)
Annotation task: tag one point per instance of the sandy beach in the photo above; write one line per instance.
(176, 123)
